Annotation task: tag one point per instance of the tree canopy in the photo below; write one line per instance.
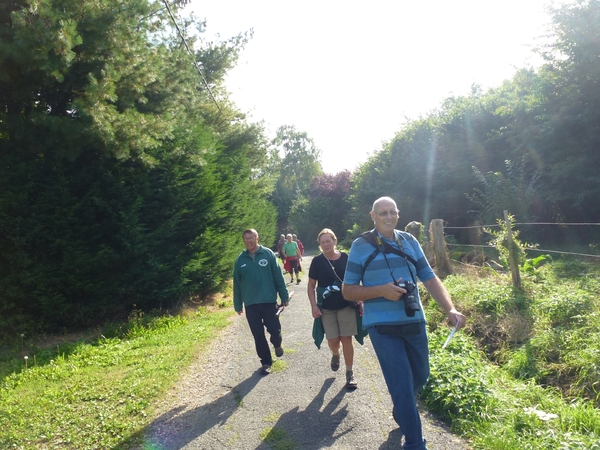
(328, 205)
(298, 162)
(529, 145)
(127, 174)
(124, 177)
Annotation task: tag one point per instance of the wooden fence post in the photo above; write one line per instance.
(442, 261)
(513, 262)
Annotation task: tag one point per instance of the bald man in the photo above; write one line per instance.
(386, 283)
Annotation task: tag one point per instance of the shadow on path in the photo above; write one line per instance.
(394, 440)
(177, 427)
(317, 426)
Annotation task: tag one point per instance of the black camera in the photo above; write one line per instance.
(411, 305)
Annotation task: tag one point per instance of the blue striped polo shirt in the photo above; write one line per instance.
(380, 311)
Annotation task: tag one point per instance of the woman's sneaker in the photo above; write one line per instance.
(265, 369)
(335, 362)
(350, 382)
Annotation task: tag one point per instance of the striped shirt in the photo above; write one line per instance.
(381, 311)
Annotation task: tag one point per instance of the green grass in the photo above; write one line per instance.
(278, 439)
(100, 394)
(486, 404)
(526, 372)
(279, 365)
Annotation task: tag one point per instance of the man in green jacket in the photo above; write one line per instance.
(257, 279)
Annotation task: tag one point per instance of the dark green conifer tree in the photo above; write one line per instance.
(124, 180)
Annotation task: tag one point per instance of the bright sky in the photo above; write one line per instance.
(350, 73)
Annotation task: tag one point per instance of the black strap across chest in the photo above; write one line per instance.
(382, 247)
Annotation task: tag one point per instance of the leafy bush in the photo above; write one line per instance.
(457, 389)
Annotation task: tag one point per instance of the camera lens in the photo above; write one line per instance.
(410, 302)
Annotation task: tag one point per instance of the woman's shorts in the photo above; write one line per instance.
(339, 322)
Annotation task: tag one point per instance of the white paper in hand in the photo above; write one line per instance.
(450, 335)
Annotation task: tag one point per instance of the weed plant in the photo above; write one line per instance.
(278, 439)
(525, 374)
(100, 394)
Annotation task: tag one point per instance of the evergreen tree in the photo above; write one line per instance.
(123, 179)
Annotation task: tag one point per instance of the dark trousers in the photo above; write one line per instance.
(294, 265)
(259, 316)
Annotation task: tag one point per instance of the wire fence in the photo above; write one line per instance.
(534, 249)
(527, 248)
(524, 223)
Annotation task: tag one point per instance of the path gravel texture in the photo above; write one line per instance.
(225, 403)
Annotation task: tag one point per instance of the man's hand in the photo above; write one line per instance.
(442, 297)
(457, 318)
(240, 313)
(392, 292)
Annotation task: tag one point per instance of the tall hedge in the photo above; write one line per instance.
(123, 184)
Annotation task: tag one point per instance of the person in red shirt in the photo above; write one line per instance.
(300, 246)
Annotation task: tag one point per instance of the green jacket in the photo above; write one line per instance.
(257, 278)
(318, 332)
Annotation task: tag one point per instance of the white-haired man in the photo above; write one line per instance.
(382, 272)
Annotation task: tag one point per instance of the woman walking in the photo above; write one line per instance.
(325, 278)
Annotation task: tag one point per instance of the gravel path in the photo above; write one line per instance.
(224, 403)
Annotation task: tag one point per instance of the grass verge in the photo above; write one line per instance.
(524, 374)
(497, 412)
(100, 394)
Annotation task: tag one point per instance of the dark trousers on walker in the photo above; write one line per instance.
(261, 316)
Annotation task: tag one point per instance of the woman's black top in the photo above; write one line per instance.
(320, 270)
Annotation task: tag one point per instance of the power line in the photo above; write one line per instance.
(191, 54)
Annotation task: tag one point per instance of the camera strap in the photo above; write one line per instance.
(383, 247)
(407, 265)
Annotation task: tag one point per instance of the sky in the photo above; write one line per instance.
(351, 74)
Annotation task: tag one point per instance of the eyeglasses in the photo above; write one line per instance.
(392, 213)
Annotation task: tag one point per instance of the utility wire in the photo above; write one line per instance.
(191, 54)
(514, 224)
(562, 253)
(556, 223)
(527, 249)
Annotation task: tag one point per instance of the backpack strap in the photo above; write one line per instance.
(381, 246)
